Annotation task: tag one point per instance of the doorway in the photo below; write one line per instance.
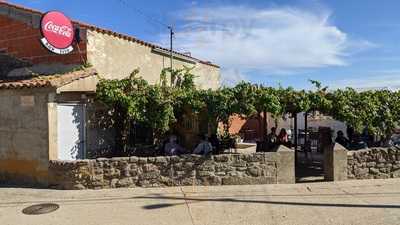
(71, 131)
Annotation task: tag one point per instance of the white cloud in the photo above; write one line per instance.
(230, 77)
(270, 40)
(385, 79)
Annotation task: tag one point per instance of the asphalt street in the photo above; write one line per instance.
(350, 202)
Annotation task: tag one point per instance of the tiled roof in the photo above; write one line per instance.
(109, 32)
(54, 81)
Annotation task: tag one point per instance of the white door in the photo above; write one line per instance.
(71, 131)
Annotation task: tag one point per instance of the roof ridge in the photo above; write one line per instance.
(110, 32)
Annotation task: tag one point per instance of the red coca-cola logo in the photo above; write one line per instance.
(57, 29)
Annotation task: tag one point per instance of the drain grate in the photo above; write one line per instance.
(40, 209)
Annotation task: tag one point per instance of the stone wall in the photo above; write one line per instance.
(237, 169)
(376, 163)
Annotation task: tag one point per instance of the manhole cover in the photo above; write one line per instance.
(40, 209)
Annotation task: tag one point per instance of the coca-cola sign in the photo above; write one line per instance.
(58, 32)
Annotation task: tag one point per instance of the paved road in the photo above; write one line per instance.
(352, 202)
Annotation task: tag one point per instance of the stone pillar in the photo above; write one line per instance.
(335, 162)
(285, 165)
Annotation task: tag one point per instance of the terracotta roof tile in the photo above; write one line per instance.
(109, 32)
(54, 81)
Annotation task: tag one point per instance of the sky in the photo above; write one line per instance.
(283, 42)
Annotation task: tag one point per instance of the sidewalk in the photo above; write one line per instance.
(351, 202)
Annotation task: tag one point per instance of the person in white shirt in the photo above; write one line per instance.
(204, 147)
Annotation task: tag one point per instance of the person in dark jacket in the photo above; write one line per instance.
(341, 139)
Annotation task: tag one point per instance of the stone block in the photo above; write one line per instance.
(384, 170)
(151, 159)
(82, 162)
(133, 159)
(111, 173)
(125, 182)
(211, 180)
(188, 165)
(113, 183)
(134, 172)
(149, 168)
(203, 173)
(220, 174)
(380, 165)
(180, 173)
(241, 168)
(142, 160)
(395, 174)
(149, 175)
(222, 158)
(374, 171)
(239, 164)
(207, 166)
(359, 172)
(396, 166)
(258, 157)
(119, 159)
(178, 166)
(254, 171)
(162, 160)
(235, 174)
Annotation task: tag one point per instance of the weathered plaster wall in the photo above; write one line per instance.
(238, 169)
(376, 163)
(115, 57)
(24, 136)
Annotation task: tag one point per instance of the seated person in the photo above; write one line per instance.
(341, 139)
(282, 138)
(357, 143)
(215, 142)
(272, 139)
(172, 147)
(204, 147)
(395, 139)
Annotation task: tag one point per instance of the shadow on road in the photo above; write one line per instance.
(230, 199)
(196, 200)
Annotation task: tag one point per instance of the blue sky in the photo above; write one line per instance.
(338, 42)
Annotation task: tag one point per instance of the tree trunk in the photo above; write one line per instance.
(265, 128)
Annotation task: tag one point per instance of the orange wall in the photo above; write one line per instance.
(251, 126)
